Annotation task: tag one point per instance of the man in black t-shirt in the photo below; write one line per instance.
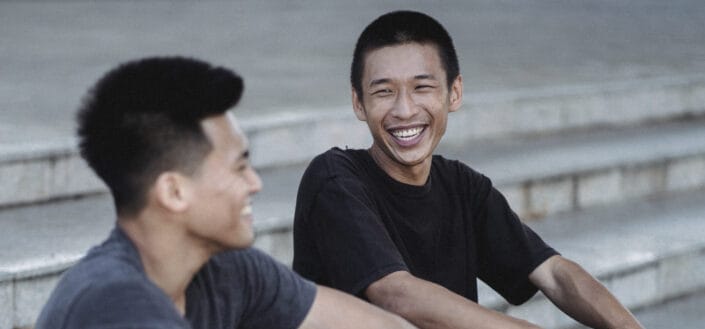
(158, 132)
(411, 231)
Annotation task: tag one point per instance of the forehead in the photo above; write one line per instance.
(401, 61)
(225, 134)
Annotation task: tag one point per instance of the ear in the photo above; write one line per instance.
(456, 94)
(358, 107)
(171, 191)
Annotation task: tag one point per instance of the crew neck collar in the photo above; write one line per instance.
(397, 187)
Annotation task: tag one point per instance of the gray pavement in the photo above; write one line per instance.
(680, 313)
(295, 56)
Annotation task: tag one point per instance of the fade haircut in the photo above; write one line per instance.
(403, 27)
(144, 117)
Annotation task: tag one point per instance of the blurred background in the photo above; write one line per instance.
(587, 115)
(297, 54)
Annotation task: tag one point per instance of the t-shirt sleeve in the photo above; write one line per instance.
(275, 296)
(354, 248)
(123, 305)
(508, 250)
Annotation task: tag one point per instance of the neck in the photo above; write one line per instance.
(416, 174)
(169, 257)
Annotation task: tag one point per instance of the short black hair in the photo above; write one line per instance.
(144, 117)
(401, 27)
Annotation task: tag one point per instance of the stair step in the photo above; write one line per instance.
(552, 175)
(670, 157)
(646, 252)
(565, 172)
(292, 136)
(686, 312)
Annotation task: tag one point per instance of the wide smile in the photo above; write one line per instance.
(407, 136)
(246, 212)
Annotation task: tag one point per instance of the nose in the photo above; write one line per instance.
(404, 105)
(254, 181)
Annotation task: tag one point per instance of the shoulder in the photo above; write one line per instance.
(123, 292)
(457, 171)
(128, 301)
(257, 286)
(249, 269)
(98, 272)
(241, 260)
(336, 162)
(334, 169)
(107, 290)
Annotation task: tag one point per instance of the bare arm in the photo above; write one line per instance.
(334, 309)
(429, 305)
(580, 295)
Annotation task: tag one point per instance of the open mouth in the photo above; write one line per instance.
(407, 136)
(246, 212)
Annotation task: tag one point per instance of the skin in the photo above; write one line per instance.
(188, 219)
(221, 210)
(404, 88)
(406, 94)
(335, 309)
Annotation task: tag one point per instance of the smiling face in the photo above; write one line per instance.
(405, 101)
(221, 213)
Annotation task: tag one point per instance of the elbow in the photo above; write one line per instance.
(391, 293)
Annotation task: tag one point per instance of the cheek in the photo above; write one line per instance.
(375, 115)
(222, 182)
(434, 100)
(237, 190)
(377, 106)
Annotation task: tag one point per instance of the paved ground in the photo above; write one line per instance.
(296, 55)
(681, 313)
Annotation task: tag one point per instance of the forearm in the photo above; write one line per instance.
(335, 309)
(585, 299)
(429, 305)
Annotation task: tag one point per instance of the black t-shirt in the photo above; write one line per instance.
(355, 224)
(236, 289)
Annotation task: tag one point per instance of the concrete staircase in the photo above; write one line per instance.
(612, 175)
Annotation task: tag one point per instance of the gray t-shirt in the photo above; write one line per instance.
(236, 289)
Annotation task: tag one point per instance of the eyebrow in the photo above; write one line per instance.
(416, 77)
(425, 77)
(379, 82)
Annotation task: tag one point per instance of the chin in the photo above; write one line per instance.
(412, 159)
(246, 242)
(237, 242)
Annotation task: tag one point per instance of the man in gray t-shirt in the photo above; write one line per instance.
(235, 288)
(158, 132)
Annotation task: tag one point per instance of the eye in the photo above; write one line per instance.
(382, 92)
(241, 167)
(424, 87)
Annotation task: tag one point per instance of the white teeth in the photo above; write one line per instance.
(246, 211)
(407, 133)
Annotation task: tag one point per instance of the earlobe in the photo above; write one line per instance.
(171, 192)
(456, 94)
(357, 107)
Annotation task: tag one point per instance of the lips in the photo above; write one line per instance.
(407, 136)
